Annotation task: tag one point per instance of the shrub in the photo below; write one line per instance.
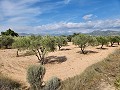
(8, 84)
(35, 76)
(52, 84)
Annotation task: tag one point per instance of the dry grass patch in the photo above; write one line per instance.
(106, 71)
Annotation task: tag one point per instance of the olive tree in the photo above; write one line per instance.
(41, 45)
(102, 40)
(61, 41)
(83, 41)
(113, 39)
(21, 43)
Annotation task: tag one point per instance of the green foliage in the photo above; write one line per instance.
(102, 40)
(69, 37)
(35, 76)
(92, 41)
(42, 45)
(21, 43)
(6, 41)
(49, 43)
(113, 39)
(61, 41)
(117, 84)
(83, 41)
(8, 84)
(9, 32)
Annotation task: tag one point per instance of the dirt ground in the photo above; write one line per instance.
(65, 63)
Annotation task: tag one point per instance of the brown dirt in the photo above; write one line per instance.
(65, 63)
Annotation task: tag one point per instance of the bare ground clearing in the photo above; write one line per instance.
(65, 63)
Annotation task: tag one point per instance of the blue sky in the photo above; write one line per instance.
(59, 16)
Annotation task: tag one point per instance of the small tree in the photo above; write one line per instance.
(21, 43)
(41, 45)
(61, 41)
(35, 75)
(6, 41)
(83, 41)
(102, 40)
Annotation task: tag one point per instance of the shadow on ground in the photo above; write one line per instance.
(65, 49)
(55, 59)
(102, 48)
(87, 52)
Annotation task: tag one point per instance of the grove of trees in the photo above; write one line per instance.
(41, 45)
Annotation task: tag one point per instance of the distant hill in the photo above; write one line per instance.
(94, 33)
(104, 33)
(24, 34)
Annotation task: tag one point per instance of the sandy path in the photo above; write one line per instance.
(72, 62)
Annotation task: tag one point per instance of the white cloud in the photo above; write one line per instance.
(68, 27)
(82, 26)
(24, 12)
(89, 16)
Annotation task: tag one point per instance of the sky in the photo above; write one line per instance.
(59, 16)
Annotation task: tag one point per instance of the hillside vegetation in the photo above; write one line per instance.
(104, 74)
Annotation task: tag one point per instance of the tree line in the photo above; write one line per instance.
(41, 45)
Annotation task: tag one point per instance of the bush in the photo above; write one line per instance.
(8, 84)
(35, 76)
(52, 84)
